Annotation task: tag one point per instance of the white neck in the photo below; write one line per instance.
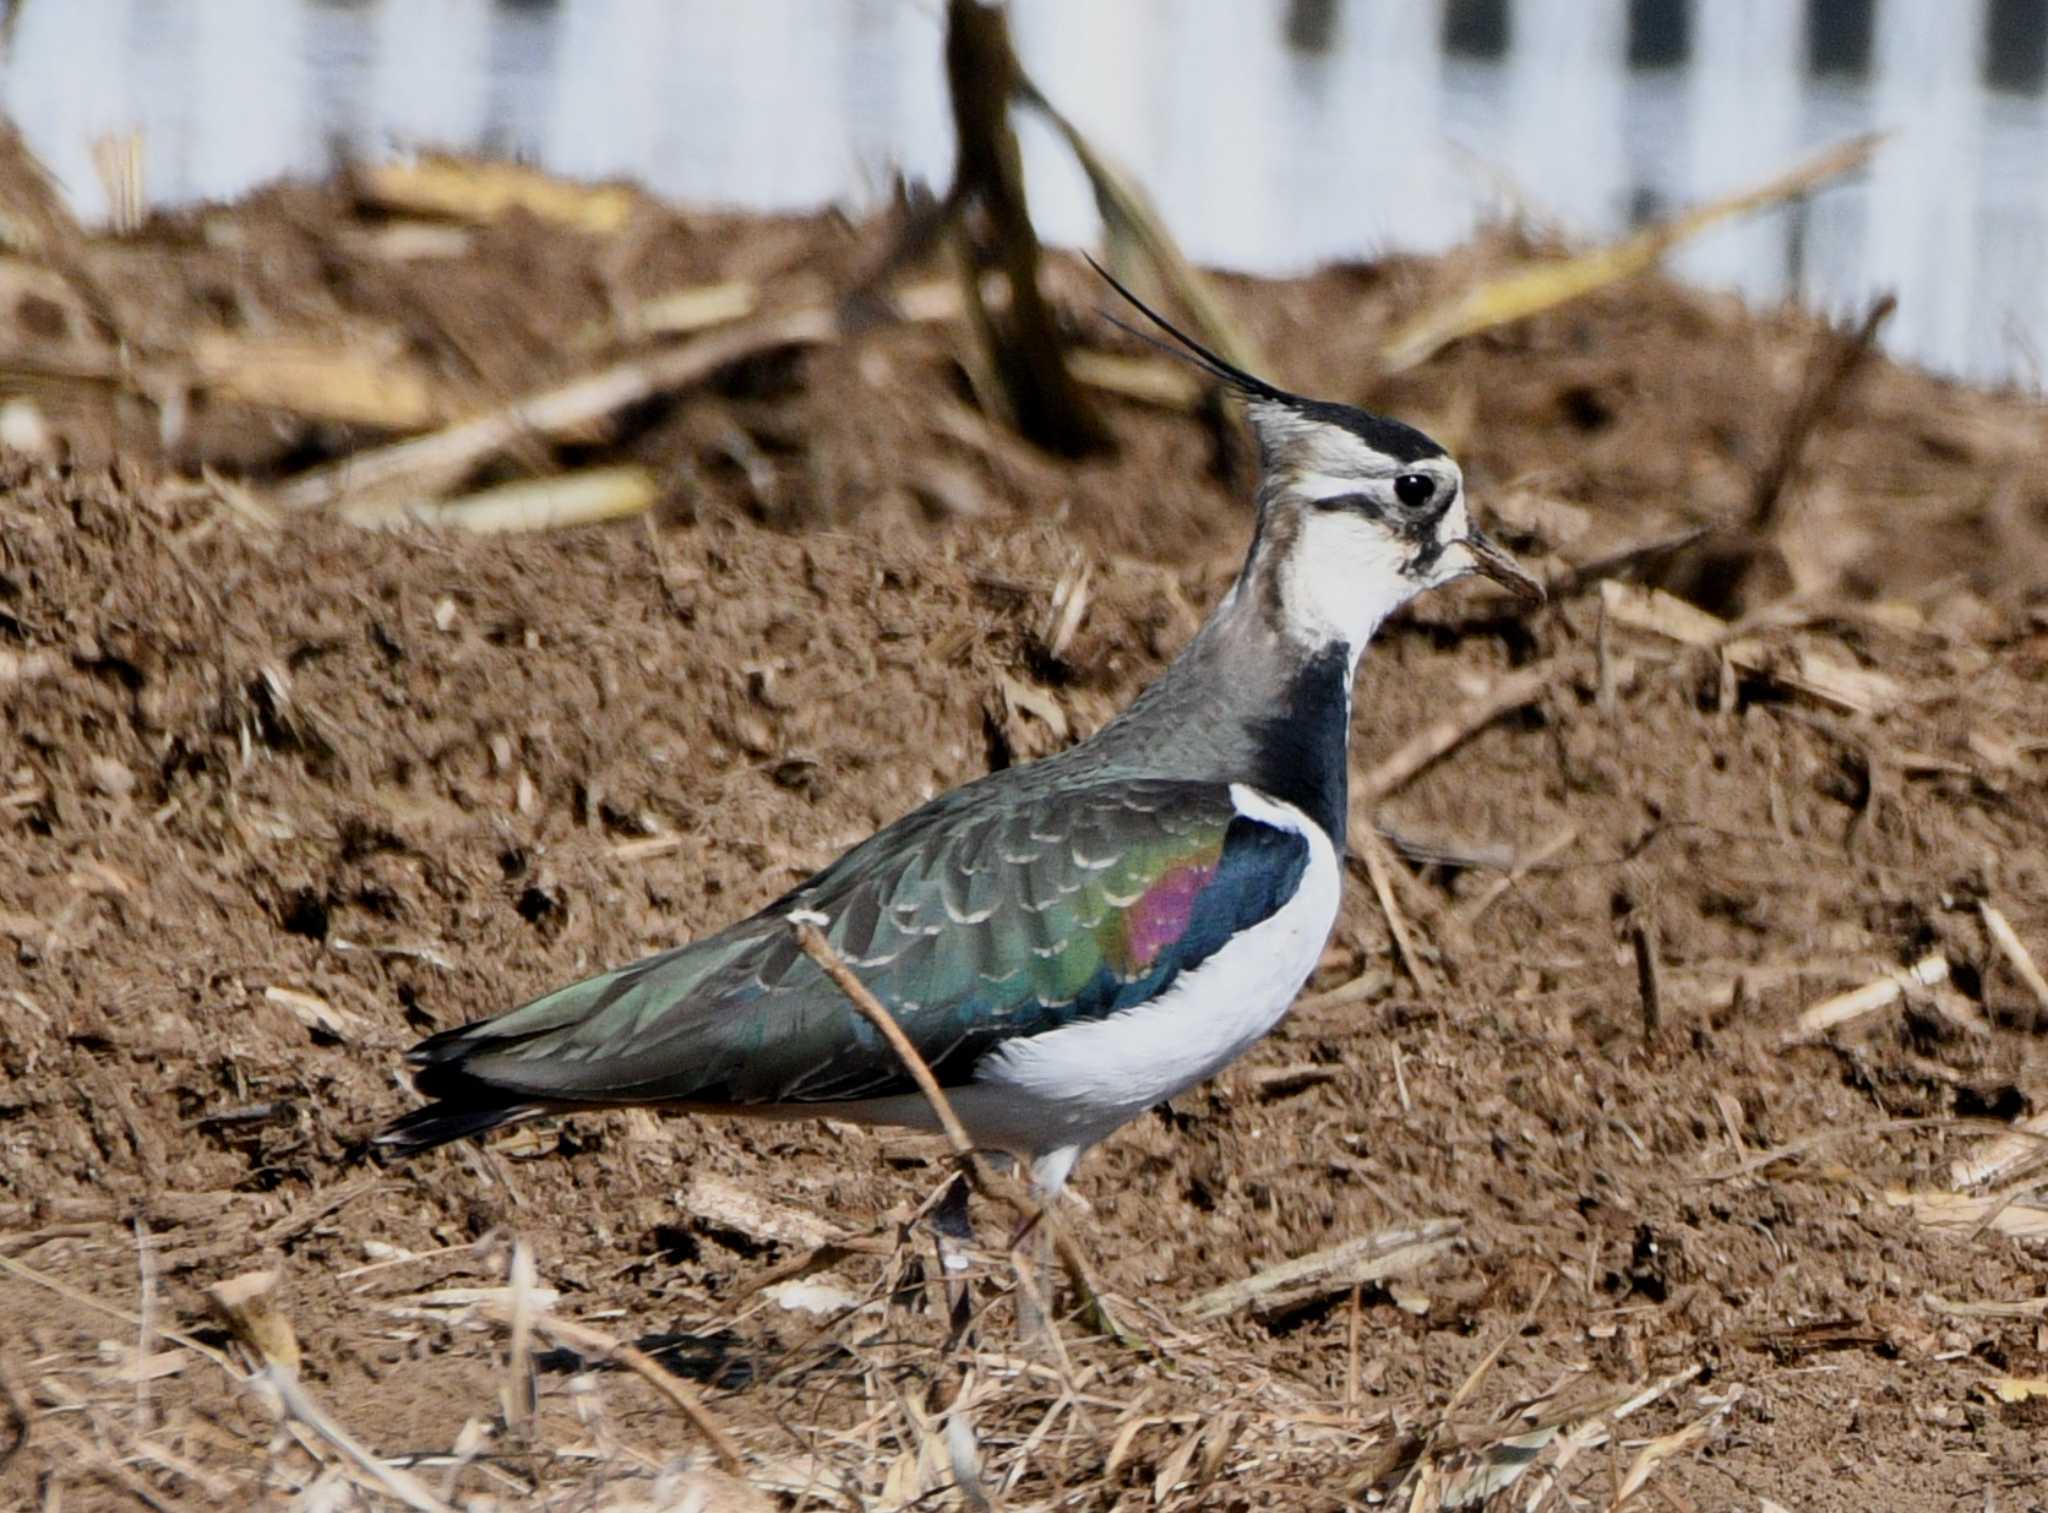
(1340, 579)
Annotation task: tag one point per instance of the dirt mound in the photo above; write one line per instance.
(276, 801)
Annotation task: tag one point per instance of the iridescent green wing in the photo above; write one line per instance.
(984, 916)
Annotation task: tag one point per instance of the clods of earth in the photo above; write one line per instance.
(1644, 1202)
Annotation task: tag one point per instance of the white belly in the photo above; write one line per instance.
(1070, 1087)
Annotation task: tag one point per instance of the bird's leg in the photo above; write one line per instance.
(1048, 1180)
(1035, 1298)
(1037, 1279)
(1034, 1272)
(953, 1229)
(1095, 1308)
(951, 1219)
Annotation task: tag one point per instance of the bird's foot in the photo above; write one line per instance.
(1102, 1319)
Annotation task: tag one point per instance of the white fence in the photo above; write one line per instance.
(1275, 133)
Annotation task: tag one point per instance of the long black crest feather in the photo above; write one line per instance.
(1401, 442)
(1194, 352)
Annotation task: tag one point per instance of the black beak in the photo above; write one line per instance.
(1490, 561)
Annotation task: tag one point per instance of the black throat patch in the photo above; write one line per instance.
(1302, 757)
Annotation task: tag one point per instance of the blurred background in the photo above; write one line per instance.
(1275, 135)
(424, 579)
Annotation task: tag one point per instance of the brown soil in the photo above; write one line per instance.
(274, 802)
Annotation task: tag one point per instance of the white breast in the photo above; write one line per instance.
(1072, 1086)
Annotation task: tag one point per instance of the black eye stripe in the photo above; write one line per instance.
(1414, 491)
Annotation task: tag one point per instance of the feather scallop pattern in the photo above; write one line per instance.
(975, 919)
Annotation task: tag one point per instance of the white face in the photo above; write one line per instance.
(1373, 531)
(1364, 530)
(1346, 572)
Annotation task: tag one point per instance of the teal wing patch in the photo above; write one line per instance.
(976, 919)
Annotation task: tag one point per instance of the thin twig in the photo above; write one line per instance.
(302, 1219)
(1649, 976)
(1435, 741)
(1828, 380)
(145, 1329)
(1441, 1430)
(87, 1300)
(1805, 1143)
(1544, 854)
(97, 1460)
(815, 946)
(1371, 983)
(1744, 563)
(300, 1406)
(2014, 950)
(1129, 216)
(986, 1182)
(1537, 286)
(18, 1410)
(584, 1338)
(249, 1304)
(1447, 851)
(1373, 854)
(1620, 562)
(1351, 1355)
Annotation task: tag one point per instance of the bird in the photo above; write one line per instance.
(1069, 942)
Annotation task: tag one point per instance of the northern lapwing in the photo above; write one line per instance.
(1069, 942)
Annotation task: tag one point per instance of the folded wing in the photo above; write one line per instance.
(984, 916)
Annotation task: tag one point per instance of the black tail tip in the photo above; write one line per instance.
(442, 1123)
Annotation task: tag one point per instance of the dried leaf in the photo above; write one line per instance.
(2004, 1156)
(539, 504)
(1174, 1469)
(2014, 1389)
(1534, 288)
(1154, 380)
(476, 191)
(1829, 680)
(307, 378)
(687, 310)
(1368, 1258)
(733, 1206)
(2022, 1221)
(1868, 999)
(1035, 702)
(2025, 1308)
(249, 1303)
(1665, 1447)
(1493, 1469)
(2015, 951)
(315, 1012)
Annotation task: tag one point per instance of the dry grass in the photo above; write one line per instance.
(887, 1369)
(885, 1376)
(911, 1392)
(1380, 1310)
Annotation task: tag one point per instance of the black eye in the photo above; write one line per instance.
(1414, 489)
